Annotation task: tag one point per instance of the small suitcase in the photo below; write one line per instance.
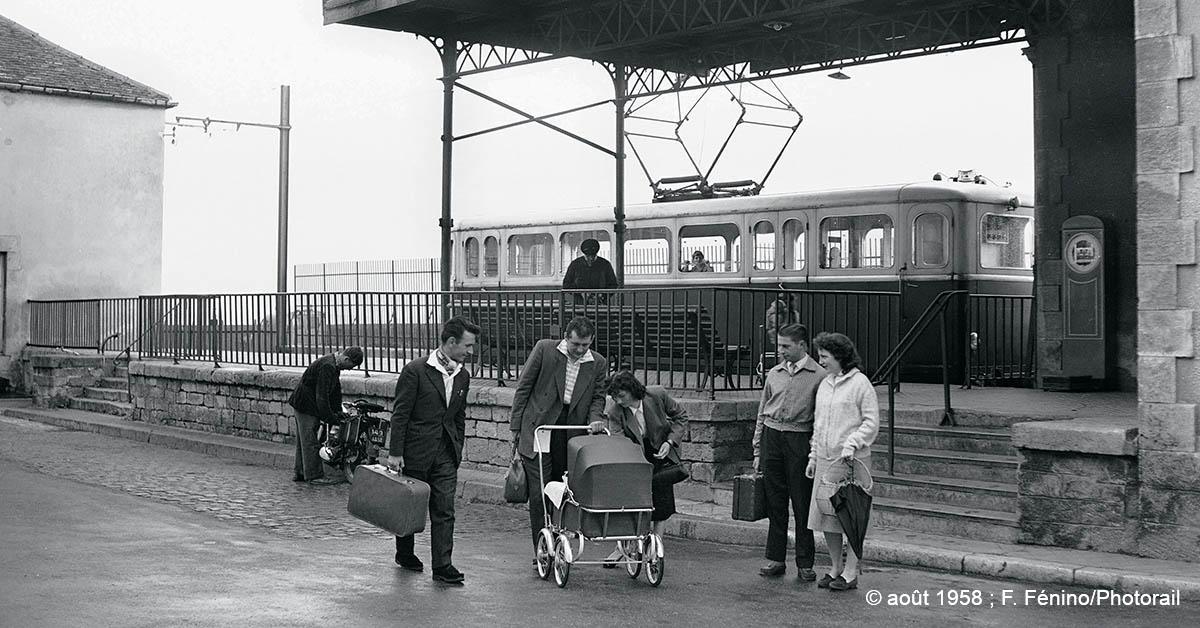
(749, 497)
(389, 501)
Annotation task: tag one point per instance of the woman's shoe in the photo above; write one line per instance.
(840, 584)
(823, 583)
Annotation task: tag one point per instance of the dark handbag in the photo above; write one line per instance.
(669, 472)
(515, 490)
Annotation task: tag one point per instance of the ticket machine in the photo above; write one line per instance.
(1085, 337)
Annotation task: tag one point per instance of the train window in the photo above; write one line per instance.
(491, 257)
(529, 254)
(764, 246)
(793, 244)
(647, 251)
(1006, 241)
(570, 241)
(471, 256)
(857, 241)
(709, 248)
(929, 241)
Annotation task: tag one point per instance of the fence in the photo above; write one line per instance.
(417, 274)
(1000, 347)
(83, 323)
(700, 338)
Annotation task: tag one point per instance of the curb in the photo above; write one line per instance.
(488, 487)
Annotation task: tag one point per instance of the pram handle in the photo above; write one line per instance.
(568, 427)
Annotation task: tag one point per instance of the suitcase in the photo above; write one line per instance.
(749, 497)
(389, 501)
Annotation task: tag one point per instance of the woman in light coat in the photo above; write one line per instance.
(845, 423)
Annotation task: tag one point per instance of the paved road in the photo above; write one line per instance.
(104, 531)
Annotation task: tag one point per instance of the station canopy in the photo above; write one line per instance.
(684, 44)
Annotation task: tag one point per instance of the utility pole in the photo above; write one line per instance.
(284, 127)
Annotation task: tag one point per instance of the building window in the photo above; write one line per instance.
(857, 241)
(764, 246)
(529, 254)
(648, 251)
(709, 248)
(471, 256)
(1006, 241)
(491, 257)
(793, 245)
(929, 241)
(570, 241)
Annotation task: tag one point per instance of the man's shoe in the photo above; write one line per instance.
(807, 574)
(448, 575)
(839, 584)
(411, 563)
(825, 581)
(326, 481)
(772, 571)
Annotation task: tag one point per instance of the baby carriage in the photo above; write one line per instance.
(605, 496)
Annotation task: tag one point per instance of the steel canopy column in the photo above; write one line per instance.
(449, 53)
(621, 90)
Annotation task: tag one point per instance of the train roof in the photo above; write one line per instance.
(924, 191)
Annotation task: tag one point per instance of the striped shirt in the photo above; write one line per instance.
(572, 369)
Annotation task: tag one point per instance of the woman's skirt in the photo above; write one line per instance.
(662, 496)
(818, 521)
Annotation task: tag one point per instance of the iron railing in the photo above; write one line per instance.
(82, 323)
(1000, 340)
(713, 338)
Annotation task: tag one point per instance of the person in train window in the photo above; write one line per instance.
(589, 271)
(699, 264)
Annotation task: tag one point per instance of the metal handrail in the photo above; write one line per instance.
(890, 368)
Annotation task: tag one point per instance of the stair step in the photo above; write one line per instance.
(114, 382)
(996, 441)
(962, 417)
(967, 523)
(975, 494)
(948, 464)
(106, 394)
(116, 408)
(718, 493)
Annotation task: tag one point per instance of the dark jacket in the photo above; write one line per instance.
(319, 392)
(421, 416)
(598, 276)
(539, 394)
(665, 419)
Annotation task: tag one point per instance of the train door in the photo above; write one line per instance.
(795, 245)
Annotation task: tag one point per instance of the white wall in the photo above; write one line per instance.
(80, 202)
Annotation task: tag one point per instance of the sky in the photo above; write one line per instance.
(366, 108)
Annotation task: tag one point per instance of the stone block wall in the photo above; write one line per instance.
(1168, 209)
(53, 377)
(251, 403)
(1078, 500)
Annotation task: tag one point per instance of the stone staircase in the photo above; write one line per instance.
(951, 481)
(108, 395)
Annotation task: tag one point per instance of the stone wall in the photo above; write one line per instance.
(53, 378)
(250, 403)
(1168, 209)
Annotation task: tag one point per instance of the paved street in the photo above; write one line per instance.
(105, 531)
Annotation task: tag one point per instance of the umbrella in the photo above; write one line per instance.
(852, 505)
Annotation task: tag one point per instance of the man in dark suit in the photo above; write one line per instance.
(318, 397)
(428, 426)
(562, 383)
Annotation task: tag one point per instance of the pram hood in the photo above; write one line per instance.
(608, 472)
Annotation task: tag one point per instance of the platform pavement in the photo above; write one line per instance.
(711, 522)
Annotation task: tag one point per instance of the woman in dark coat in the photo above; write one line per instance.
(652, 419)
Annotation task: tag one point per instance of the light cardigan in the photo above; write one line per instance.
(846, 418)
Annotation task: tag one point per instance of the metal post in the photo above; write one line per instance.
(285, 97)
(892, 420)
(449, 53)
(948, 414)
(620, 89)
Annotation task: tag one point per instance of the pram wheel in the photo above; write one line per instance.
(633, 558)
(545, 553)
(654, 560)
(562, 560)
